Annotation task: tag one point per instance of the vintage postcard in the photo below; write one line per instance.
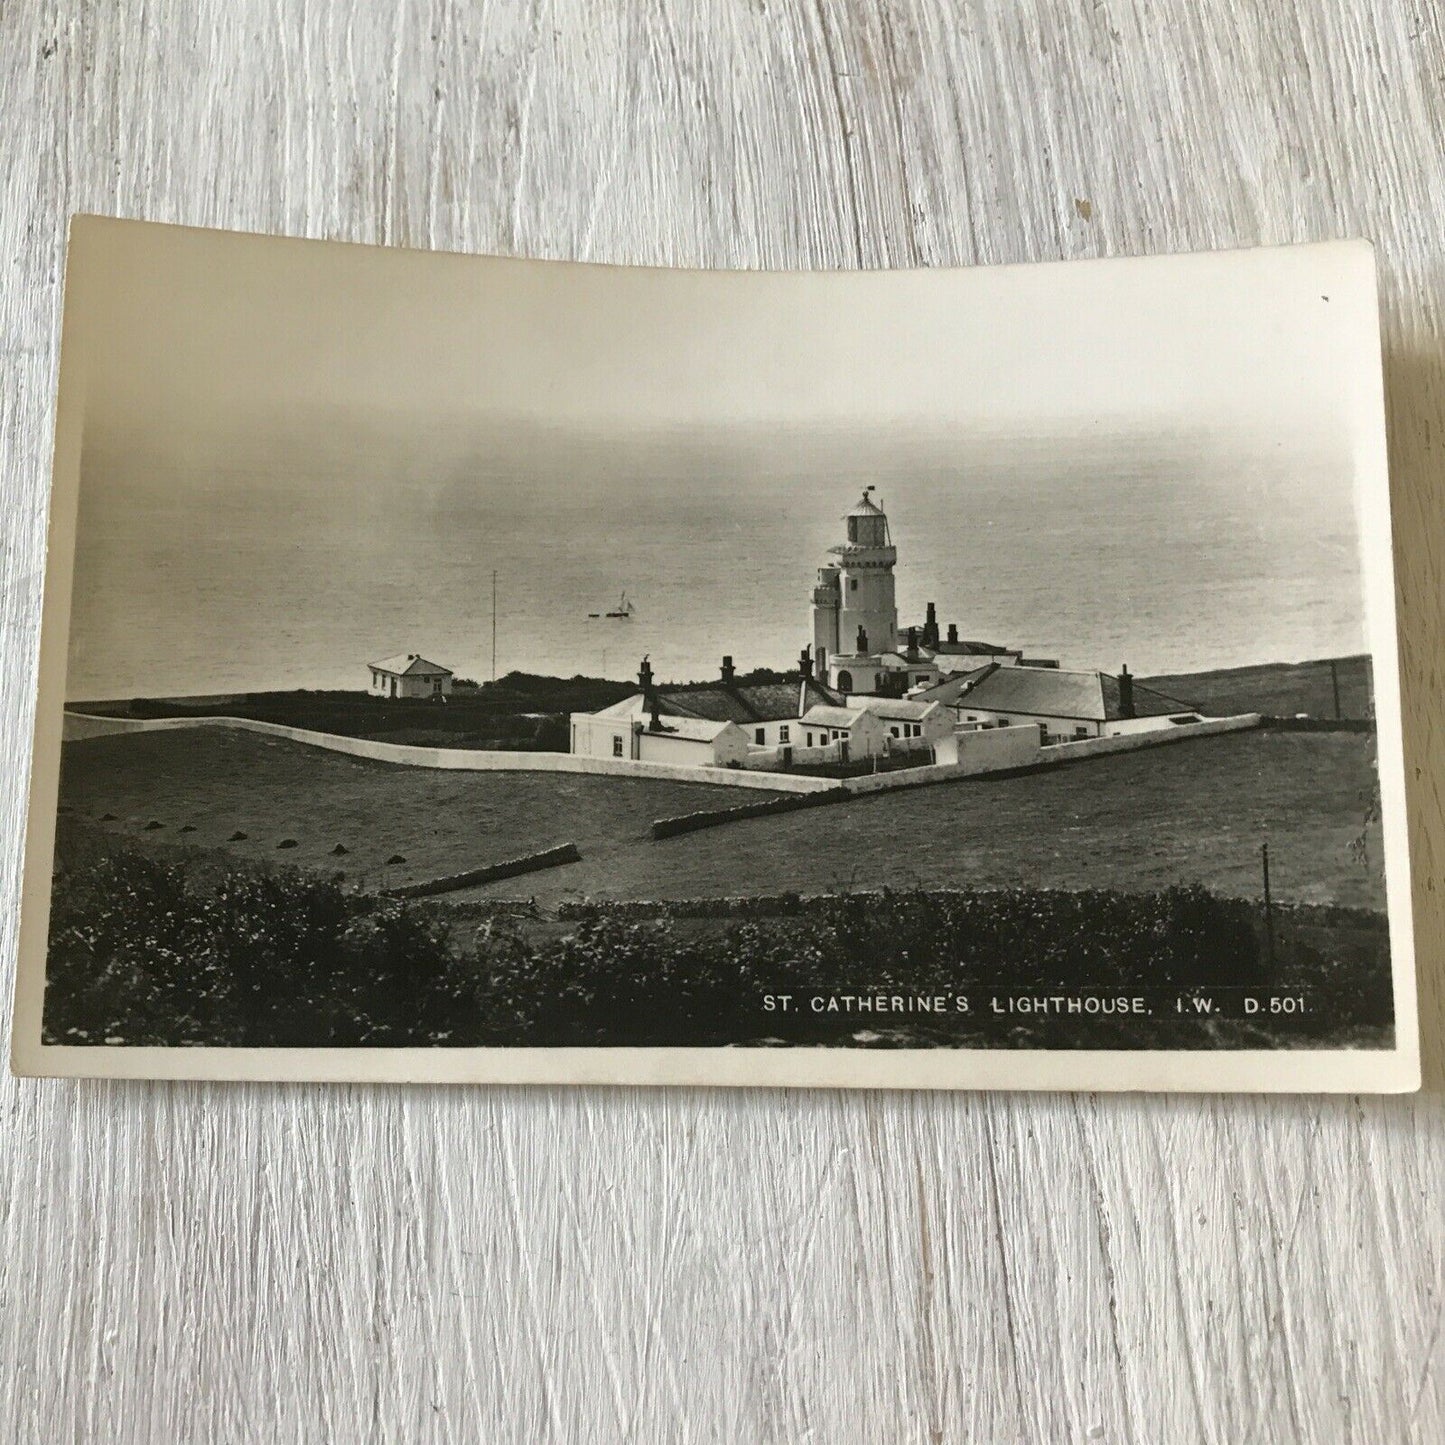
(459, 668)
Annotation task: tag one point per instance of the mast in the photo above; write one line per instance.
(494, 624)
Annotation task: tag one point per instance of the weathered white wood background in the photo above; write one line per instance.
(191, 1263)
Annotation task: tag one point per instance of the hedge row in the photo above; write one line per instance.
(532, 863)
(147, 953)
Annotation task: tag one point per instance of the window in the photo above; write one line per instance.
(616, 745)
(973, 717)
(784, 734)
(845, 681)
(1081, 732)
(852, 584)
(1003, 722)
(760, 736)
(810, 739)
(894, 731)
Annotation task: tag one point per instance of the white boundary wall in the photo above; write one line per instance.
(979, 752)
(1155, 737)
(79, 726)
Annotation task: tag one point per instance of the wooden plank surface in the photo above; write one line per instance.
(200, 1263)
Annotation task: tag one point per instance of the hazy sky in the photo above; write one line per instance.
(223, 346)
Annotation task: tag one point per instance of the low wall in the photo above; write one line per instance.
(764, 758)
(997, 750)
(1159, 737)
(532, 863)
(80, 726)
(715, 817)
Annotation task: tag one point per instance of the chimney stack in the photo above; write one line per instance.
(930, 627)
(953, 632)
(1126, 692)
(644, 676)
(805, 663)
(912, 640)
(727, 670)
(655, 722)
(862, 641)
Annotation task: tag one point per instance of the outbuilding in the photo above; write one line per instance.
(911, 725)
(409, 675)
(857, 732)
(619, 734)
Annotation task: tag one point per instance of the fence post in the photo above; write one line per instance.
(1268, 907)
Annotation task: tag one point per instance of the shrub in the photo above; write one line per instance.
(143, 952)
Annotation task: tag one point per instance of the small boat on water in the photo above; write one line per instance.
(623, 611)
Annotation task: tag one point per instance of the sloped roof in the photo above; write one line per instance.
(832, 717)
(1147, 702)
(973, 649)
(1046, 693)
(865, 506)
(633, 706)
(909, 709)
(690, 729)
(410, 664)
(948, 689)
(1055, 692)
(753, 703)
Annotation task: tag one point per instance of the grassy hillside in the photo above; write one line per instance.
(1196, 812)
(218, 783)
(1279, 689)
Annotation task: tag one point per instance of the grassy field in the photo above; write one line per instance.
(1196, 812)
(218, 783)
(1277, 688)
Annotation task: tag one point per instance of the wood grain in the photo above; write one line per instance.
(192, 1263)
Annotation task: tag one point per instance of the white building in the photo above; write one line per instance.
(409, 675)
(758, 725)
(911, 724)
(737, 721)
(853, 732)
(617, 732)
(1065, 705)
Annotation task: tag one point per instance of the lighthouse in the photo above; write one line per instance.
(854, 611)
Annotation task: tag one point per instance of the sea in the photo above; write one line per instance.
(210, 587)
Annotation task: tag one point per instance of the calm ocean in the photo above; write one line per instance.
(225, 588)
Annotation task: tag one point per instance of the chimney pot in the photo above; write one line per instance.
(953, 632)
(727, 668)
(862, 641)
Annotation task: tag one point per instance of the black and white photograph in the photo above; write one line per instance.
(468, 668)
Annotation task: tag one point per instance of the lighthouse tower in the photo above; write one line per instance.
(854, 611)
